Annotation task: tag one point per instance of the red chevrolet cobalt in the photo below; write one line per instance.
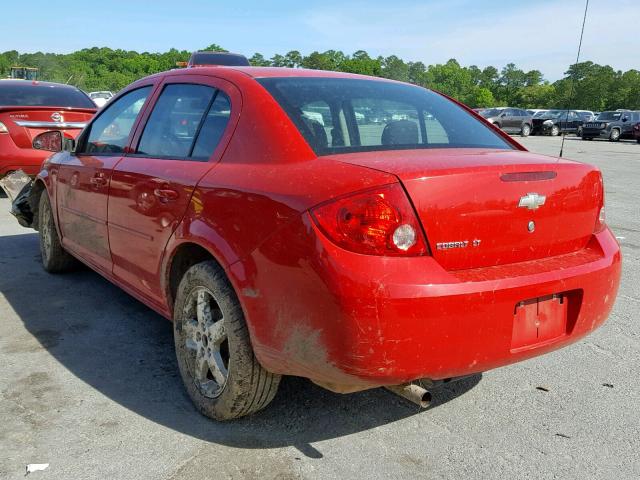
(356, 231)
(30, 108)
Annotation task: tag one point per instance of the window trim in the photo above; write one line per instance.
(84, 136)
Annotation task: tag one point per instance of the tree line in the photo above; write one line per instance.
(586, 85)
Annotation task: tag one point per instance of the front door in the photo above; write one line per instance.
(182, 139)
(83, 179)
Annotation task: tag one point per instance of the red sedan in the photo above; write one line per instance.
(29, 108)
(352, 230)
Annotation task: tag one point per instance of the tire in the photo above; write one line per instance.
(555, 131)
(216, 361)
(55, 259)
(497, 125)
(526, 130)
(614, 136)
(638, 140)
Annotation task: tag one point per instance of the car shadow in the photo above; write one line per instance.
(125, 351)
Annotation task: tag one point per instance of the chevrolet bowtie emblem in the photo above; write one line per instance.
(531, 201)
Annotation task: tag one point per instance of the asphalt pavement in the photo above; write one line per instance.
(89, 384)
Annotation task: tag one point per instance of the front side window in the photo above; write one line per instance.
(110, 131)
(340, 115)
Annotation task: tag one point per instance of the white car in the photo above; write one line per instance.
(100, 98)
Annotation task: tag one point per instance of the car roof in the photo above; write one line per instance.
(270, 72)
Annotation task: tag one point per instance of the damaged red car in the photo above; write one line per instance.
(30, 108)
(356, 231)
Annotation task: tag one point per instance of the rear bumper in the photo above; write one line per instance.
(341, 319)
(14, 158)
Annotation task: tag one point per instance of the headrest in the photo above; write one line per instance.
(400, 132)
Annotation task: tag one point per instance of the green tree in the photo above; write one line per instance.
(586, 85)
(214, 47)
(258, 60)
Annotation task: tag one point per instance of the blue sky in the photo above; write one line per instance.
(540, 34)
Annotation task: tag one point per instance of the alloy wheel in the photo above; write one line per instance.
(205, 338)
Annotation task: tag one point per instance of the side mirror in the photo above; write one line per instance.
(503, 115)
(624, 119)
(53, 141)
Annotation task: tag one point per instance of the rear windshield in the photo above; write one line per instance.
(29, 95)
(340, 115)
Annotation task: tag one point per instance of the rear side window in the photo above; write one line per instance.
(187, 121)
(109, 132)
(43, 95)
(213, 127)
(342, 115)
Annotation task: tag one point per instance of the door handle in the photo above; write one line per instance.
(166, 194)
(98, 181)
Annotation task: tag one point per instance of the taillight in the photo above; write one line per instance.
(380, 221)
(3, 128)
(601, 221)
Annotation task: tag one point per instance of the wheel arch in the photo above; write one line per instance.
(185, 249)
(183, 257)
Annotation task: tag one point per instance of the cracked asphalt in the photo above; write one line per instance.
(89, 384)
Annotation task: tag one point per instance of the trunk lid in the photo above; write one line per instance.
(476, 205)
(24, 123)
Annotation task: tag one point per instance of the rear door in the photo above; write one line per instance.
(83, 179)
(179, 141)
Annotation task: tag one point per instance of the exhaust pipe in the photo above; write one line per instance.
(412, 392)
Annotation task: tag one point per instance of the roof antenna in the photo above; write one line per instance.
(566, 118)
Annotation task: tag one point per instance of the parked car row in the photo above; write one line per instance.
(610, 125)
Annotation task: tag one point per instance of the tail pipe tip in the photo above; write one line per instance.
(412, 392)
